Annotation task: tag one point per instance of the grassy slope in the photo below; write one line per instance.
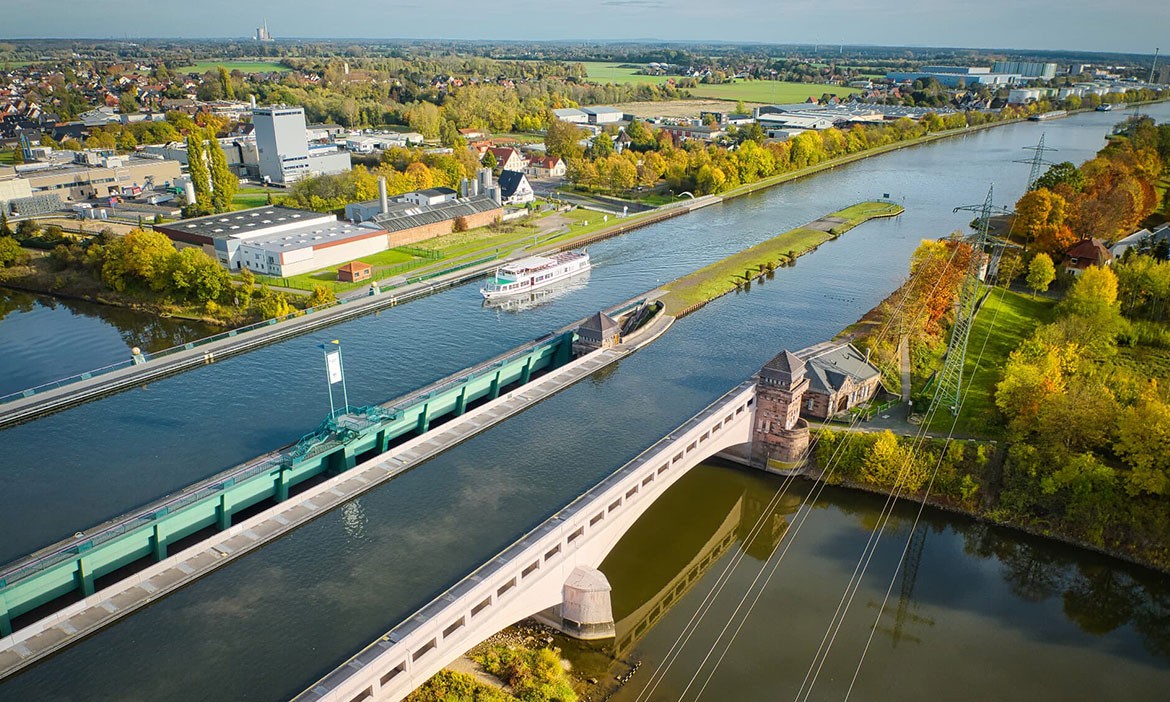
(724, 276)
(1006, 319)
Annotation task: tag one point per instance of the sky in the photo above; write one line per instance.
(1129, 26)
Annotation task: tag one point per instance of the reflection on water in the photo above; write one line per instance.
(962, 584)
(44, 338)
(541, 296)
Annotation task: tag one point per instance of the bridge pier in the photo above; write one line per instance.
(586, 612)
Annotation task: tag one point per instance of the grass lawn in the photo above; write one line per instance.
(1006, 319)
(724, 276)
(1145, 361)
(241, 66)
(328, 276)
(8, 158)
(250, 197)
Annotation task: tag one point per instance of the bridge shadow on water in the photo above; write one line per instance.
(686, 533)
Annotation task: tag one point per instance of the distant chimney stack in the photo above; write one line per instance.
(252, 100)
(189, 192)
(383, 200)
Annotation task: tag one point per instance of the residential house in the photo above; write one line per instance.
(515, 189)
(547, 167)
(1141, 240)
(1086, 253)
(508, 159)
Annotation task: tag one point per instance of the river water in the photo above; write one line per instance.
(269, 624)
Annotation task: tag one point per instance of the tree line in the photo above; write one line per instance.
(744, 157)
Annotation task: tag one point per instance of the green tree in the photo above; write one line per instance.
(1041, 273)
(225, 84)
(199, 172)
(322, 295)
(1064, 173)
(450, 137)
(223, 181)
(127, 104)
(563, 139)
(424, 118)
(137, 261)
(1143, 442)
(10, 252)
(601, 147)
(489, 160)
(5, 228)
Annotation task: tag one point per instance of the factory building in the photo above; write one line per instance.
(283, 147)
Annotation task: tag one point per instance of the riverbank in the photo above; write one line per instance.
(692, 291)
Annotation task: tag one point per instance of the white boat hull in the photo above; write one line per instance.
(528, 280)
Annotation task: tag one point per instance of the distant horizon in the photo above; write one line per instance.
(1134, 27)
(823, 47)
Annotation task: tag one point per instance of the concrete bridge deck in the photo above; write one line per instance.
(528, 577)
(98, 609)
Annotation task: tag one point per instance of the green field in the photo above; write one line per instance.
(614, 73)
(765, 91)
(241, 66)
(1005, 320)
(8, 158)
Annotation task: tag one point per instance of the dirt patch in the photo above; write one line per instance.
(825, 224)
(679, 108)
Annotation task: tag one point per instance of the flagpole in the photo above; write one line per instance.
(344, 390)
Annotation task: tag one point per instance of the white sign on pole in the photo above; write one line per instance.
(333, 362)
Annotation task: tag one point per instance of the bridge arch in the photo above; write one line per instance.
(528, 577)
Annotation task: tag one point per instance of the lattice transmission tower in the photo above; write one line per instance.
(984, 251)
(1037, 161)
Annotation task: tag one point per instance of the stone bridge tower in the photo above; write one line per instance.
(779, 392)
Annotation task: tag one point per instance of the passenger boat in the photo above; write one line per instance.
(524, 301)
(535, 272)
(1054, 114)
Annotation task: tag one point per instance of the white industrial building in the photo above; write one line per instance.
(1027, 69)
(283, 147)
(601, 114)
(572, 115)
(278, 241)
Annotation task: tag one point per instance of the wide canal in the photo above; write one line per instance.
(269, 624)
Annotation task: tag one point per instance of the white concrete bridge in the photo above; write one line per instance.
(529, 576)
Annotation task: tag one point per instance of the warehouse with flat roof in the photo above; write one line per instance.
(278, 241)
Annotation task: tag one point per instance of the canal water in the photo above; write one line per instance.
(43, 339)
(269, 624)
(983, 613)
